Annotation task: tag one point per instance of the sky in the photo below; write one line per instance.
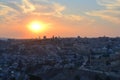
(65, 18)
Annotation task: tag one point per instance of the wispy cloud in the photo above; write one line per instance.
(109, 4)
(27, 6)
(111, 11)
(20, 12)
(7, 13)
(19, 9)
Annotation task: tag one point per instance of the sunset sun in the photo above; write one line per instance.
(35, 26)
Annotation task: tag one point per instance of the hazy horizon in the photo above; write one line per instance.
(63, 18)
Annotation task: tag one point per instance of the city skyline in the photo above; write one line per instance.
(60, 18)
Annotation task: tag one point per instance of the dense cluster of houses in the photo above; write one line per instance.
(48, 59)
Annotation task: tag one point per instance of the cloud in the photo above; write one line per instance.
(109, 4)
(27, 6)
(108, 15)
(18, 10)
(110, 12)
(7, 14)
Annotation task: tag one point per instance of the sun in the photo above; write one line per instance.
(35, 26)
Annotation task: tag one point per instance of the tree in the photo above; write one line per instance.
(97, 77)
(107, 78)
(77, 77)
(108, 63)
(33, 77)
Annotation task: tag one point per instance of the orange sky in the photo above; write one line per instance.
(59, 18)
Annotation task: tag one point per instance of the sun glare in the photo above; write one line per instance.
(35, 26)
